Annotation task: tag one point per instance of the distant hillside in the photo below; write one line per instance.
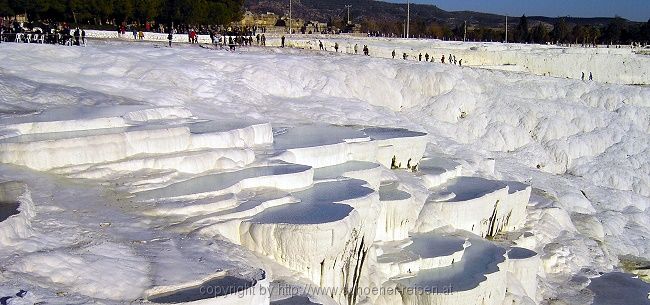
(379, 11)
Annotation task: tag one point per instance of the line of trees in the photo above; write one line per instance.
(618, 31)
(117, 11)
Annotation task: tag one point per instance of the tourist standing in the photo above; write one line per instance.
(77, 35)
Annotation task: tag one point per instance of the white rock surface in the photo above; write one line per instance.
(16, 212)
(582, 146)
(483, 207)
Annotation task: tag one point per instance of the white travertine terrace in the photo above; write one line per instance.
(483, 207)
(16, 211)
(222, 288)
(438, 170)
(524, 265)
(408, 257)
(342, 207)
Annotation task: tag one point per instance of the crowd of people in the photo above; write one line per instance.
(427, 58)
(60, 34)
(230, 38)
(349, 48)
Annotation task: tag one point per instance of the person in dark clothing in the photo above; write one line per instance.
(443, 59)
(336, 47)
(231, 44)
(170, 37)
(591, 76)
(67, 37)
(77, 35)
(83, 37)
(426, 57)
(420, 57)
(393, 54)
(583, 76)
(404, 56)
(282, 41)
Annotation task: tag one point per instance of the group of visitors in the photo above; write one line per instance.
(138, 35)
(428, 58)
(193, 37)
(230, 39)
(60, 35)
(591, 76)
(452, 60)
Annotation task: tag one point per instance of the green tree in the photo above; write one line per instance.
(145, 10)
(594, 34)
(522, 34)
(560, 33)
(21, 6)
(614, 30)
(645, 32)
(579, 34)
(5, 9)
(540, 34)
(122, 10)
(103, 9)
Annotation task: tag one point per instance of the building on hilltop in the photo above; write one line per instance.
(251, 19)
